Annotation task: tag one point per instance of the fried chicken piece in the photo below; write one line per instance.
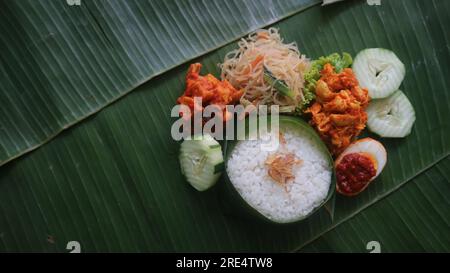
(323, 92)
(339, 111)
(211, 91)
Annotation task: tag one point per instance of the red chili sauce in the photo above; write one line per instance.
(354, 171)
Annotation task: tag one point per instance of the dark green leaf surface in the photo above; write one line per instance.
(416, 218)
(113, 182)
(62, 63)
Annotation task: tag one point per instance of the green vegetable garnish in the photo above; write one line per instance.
(313, 75)
(278, 84)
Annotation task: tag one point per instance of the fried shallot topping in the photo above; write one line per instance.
(280, 167)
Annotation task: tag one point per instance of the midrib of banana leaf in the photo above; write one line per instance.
(113, 182)
(416, 218)
(61, 63)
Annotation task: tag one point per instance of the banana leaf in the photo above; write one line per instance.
(414, 219)
(62, 61)
(113, 182)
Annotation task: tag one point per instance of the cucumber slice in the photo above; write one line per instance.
(379, 70)
(393, 116)
(201, 161)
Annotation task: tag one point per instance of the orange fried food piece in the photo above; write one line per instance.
(211, 91)
(338, 81)
(339, 111)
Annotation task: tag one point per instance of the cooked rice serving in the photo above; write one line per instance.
(248, 171)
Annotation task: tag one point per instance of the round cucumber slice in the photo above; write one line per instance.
(201, 161)
(393, 116)
(379, 70)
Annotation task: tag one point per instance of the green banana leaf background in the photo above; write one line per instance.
(85, 147)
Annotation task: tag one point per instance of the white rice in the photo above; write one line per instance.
(249, 174)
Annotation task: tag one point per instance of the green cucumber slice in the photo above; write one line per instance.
(201, 161)
(379, 70)
(393, 116)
